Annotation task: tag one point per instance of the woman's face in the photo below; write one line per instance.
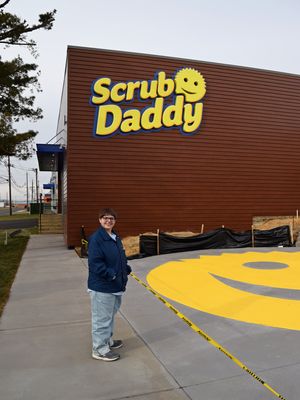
(107, 222)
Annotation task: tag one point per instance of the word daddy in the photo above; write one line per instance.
(183, 108)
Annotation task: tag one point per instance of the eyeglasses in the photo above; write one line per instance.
(111, 219)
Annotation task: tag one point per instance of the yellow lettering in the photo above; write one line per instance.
(131, 122)
(151, 118)
(172, 115)
(184, 110)
(165, 86)
(131, 86)
(114, 94)
(101, 91)
(109, 118)
(192, 119)
(148, 90)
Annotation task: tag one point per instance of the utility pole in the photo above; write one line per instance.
(36, 185)
(27, 193)
(9, 185)
(32, 190)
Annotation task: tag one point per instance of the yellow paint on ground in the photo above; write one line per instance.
(191, 283)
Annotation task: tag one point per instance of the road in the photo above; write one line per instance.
(5, 211)
(17, 223)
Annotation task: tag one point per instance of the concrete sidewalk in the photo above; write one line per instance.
(45, 343)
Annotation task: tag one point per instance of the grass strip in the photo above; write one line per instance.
(10, 258)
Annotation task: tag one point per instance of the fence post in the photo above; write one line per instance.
(84, 242)
(291, 233)
(40, 211)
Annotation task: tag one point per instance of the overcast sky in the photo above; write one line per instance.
(254, 33)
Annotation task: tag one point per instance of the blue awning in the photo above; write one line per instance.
(50, 157)
(48, 186)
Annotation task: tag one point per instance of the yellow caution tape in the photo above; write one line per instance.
(200, 332)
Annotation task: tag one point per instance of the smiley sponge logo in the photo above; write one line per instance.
(170, 103)
(227, 285)
(191, 84)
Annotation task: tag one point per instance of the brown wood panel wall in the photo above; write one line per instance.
(243, 162)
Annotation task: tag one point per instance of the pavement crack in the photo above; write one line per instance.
(144, 394)
(61, 323)
(155, 355)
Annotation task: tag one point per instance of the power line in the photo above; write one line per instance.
(22, 169)
(16, 184)
(16, 188)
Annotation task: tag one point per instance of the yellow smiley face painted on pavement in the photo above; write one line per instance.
(203, 284)
(191, 84)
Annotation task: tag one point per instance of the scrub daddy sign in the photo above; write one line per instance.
(174, 103)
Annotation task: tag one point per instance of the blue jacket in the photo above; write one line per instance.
(108, 268)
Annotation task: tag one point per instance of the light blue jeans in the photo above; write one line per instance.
(104, 307)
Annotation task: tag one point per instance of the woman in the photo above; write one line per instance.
(108, 270)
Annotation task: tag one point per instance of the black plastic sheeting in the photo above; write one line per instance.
(222, 238)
